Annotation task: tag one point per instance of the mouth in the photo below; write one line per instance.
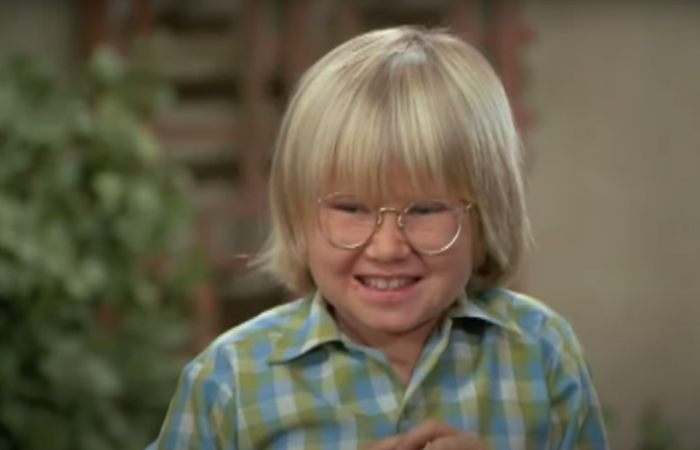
(387, 283)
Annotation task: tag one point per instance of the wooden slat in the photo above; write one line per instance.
(296, 42)
(192, 58)
(348, 17)
(463, 16)
(206, 122)
(263, 51)
(95, 30)
(206, 313)
(221, 130)
(142, 16)
(509, 35)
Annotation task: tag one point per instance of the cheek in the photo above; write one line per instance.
(325, 261)
(457, 263)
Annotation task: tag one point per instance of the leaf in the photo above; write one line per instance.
(110, 190)
(15, 417)
(80, 371)
(94, 441)
(53, 434)
(106, 67)
(145, 146)
(9, 367)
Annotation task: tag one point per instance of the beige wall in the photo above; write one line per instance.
(615, 195)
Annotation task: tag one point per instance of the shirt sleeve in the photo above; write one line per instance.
(201, 415)
(577, 417)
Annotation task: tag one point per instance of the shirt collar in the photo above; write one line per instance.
(312, 325)
(492, 306)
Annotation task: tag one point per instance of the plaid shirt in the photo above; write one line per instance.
(503, 367)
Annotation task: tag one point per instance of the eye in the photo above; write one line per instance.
(428, 207)
(349, 206)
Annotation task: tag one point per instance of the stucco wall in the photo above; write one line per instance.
(615, 195)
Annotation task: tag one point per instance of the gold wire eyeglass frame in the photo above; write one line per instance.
(400, 213)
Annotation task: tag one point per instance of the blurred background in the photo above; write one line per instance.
(134, 144)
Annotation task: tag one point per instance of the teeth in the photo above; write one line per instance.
(387, 283)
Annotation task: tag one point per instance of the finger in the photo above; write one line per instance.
(387, 443)
(462, 441)
(426, 432)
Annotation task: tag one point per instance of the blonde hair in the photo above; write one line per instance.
(422, 98)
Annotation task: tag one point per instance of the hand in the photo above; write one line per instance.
(387, 443)
(439, 435)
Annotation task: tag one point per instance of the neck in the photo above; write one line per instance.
(401, 349)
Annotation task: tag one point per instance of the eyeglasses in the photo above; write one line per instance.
(429, 226)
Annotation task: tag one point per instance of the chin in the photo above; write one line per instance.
(395, 327)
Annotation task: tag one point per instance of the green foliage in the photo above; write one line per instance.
(91, 337)
(655, 432)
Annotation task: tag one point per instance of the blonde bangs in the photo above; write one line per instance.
(400, 120)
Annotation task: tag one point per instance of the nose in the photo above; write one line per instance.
(388, 241)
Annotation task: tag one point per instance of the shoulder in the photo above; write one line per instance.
(207, 391)
(267, 326)
(249, 343)
(531, 320)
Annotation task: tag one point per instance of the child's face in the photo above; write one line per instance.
(376, 306)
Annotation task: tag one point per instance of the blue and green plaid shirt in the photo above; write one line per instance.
(503, 367)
